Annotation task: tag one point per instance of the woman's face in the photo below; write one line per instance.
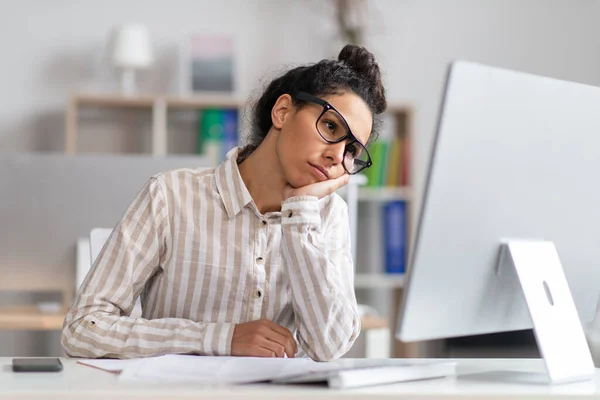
(305, 157)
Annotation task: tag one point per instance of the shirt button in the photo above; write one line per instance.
(263, 223)
(260, 260)
(290, 214)
(257, 294)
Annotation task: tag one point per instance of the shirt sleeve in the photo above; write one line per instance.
(319, 262)
(99, 324)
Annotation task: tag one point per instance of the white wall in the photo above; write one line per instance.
(557, 38)
(49, 49)
(52, 48)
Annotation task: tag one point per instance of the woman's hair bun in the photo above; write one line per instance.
(363, 63)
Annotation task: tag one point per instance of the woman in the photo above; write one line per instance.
(251, 258)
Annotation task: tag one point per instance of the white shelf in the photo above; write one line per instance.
(370, 281)
(384, 193)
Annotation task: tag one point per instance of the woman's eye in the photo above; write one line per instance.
(330, 125)
(351, 150)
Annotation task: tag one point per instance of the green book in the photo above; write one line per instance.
(383, 164)
(211, 128)
(376, 170)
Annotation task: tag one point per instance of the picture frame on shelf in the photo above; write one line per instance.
(207, 65)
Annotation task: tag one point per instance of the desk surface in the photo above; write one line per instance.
(476, 377)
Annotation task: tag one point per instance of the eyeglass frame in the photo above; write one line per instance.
(327, 107)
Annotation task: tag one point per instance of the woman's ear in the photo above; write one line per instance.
(281, 110)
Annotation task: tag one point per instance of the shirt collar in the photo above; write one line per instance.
(231, 187)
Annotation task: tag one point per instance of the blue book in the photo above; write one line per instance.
(394, 221)
(230, 131)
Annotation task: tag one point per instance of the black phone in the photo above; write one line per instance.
(36, 365)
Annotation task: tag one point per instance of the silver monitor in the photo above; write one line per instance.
(515, 156)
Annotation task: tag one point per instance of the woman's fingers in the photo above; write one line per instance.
(319, 189)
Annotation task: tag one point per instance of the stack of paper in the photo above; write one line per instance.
(211, 370)
(238, 370)
(218, 370)
(109, 365)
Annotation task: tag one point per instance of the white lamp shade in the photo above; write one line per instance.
(132, 47)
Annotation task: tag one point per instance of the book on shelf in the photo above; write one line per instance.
(395, 236)
(390, 163)
(390, 157)
(217, 132)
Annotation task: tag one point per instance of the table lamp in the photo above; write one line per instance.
(132, 51)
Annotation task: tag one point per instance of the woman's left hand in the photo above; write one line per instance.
(319, 189)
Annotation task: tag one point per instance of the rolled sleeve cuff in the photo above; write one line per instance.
(301, 210)
(227, 333)
(217, 338)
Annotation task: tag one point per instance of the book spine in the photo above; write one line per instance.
(230, 131)
(394, 161)
(382, 163)
(375, 172)
(394, 221)
(405, 162)
(210, 134)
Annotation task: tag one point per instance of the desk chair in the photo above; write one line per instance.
(98, 237)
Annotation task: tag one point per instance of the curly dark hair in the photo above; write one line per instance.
(355, 71)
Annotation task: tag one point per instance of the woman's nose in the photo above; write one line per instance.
(335, 152)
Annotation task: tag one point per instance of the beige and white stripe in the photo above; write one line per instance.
(202, 257)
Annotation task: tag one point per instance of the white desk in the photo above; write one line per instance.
(474, 379)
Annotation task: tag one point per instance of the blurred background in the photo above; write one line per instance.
(91, 86)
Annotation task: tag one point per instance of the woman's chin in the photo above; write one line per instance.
(301, 181)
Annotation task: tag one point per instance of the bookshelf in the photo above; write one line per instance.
(368, 197)
(158, 104)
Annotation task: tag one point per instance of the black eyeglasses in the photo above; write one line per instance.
(333, 128)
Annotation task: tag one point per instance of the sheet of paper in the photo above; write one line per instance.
(218, 370)
(109, 365)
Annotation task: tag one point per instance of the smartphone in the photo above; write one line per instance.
(36, 365)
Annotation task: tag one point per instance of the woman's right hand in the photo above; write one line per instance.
(262, 338)
(319, 189)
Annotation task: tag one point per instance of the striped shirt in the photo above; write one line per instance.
(194, 249)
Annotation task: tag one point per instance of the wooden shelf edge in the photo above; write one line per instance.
(148, 100)
(116, 99)
(29, 318)
(396, 107)
(113, 100)
(370, 322)
(196, 102)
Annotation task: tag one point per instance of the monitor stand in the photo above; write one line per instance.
(557, 327)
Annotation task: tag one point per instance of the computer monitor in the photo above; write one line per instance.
(516, 156)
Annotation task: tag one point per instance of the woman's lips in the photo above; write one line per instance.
(321, 172)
